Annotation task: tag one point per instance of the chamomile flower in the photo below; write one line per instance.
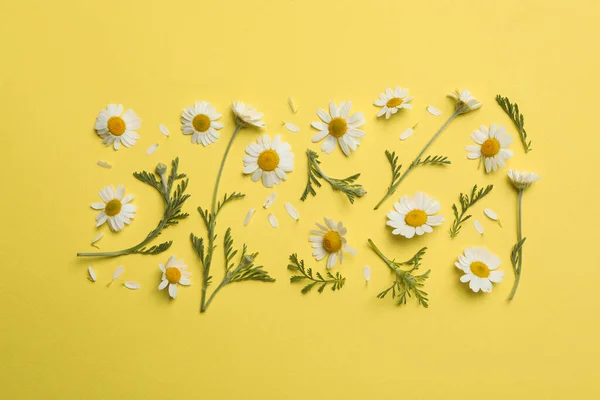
(393, 101)
(269, 160)
(200, 121)
(114, 208)
(174, 273)
(329, 241)
(465, 101)
(480, 268)
(246, 114)
(339, 126)
(523, 179)
(414, 215)
(116, 127)
(492, 147)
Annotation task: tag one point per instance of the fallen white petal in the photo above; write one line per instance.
(406, 134)
(292, 105)
(163, 129)
(270, 199)
(490, 214)
(118, 272)
(434, 111)
(98, 237)
(92, 274)
(478, 226)
(249, 216)
(104, 164)
(291, 210)
(273, 221)
(291, 127)
(367, 273)
(152, 149)
(132, 285)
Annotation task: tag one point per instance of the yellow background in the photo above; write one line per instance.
(63, 337)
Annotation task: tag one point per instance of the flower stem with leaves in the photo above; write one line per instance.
(516, 255)
(466, 202)
(512, 110)
(336, 281)
(406, 283)
(345, 185)
(173, 203)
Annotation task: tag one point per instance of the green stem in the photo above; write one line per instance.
(393, 188)
(381, 255)
(519, 237)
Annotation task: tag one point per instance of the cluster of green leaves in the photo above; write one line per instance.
(336, 281)
(512, 110)
(173, 202)
(346, 185)
(406, 283)
(516, 254)
(466, 202)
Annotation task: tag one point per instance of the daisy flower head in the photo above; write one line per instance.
(414, 215)
(465, 101)
(116, 127)
(523, 179)
(174, 273)
(393, 101)
(114, 208)
(329, 241)
(200, 121)
(492, 147)
(480, 268)
(246, 115)
(339, 126)
(269, 159)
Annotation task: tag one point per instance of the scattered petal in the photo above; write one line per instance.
(273, 221)
(92, 274)
(104, 164)
(132, 285)
(118, 272)
(478, 226)
(291, 127)
(163, 129)
(249, 215)
(367, 273)
(291, 210)
(97, 238)
(492, 215)
(406, 134)
(292, 105)
(434, 111)
(270, 199)
(152, 149)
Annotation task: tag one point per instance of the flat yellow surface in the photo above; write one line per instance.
(63, 337)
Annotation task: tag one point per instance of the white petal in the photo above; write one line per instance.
(273, 221)
(249, 215)
(132, 285)
(163, 129)
(478, 226)
(118, 272)
(490, 214)
(331, 260)
(291, 127)
(367, 273)
(104, 164)
(100, 235)
(291, 210)
(434, 111)
(173, 290)
(92, 274)
(406, 134)
(163, 284)
(152, 149)
(269, 200)
(292, 105)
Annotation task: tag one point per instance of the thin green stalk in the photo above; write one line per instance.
(130, 250)
(517, 269)
(393, 188)
(381, 255)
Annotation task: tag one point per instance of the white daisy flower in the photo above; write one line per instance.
(338, 126)
(174, 273)
(269, 160)
(116, 127)
(523, 179)
(465, 101)
(414, 215)
(115, 208)
(491, 147)
(480, 268)
(246, 114)
(393, 101)
(200, 121)
(329, 241)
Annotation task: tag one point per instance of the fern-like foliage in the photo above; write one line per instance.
(174, 197)
(435, 160)
(466, 201)
(345, 185)
(336, 281)
(512, 110)
(406, 283)
(515, 255)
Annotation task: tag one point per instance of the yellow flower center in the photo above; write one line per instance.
(268, 160)
(332, 241)
(415, 218)
(480, 269)
(337, 127)
(394, 102)
(116, 126)
(173, 274)
(201, 123)
(490, 147)
(113, 207)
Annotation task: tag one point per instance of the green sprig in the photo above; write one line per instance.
(173, 202)
(512, 110)
(466, 202)
(336, 281)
